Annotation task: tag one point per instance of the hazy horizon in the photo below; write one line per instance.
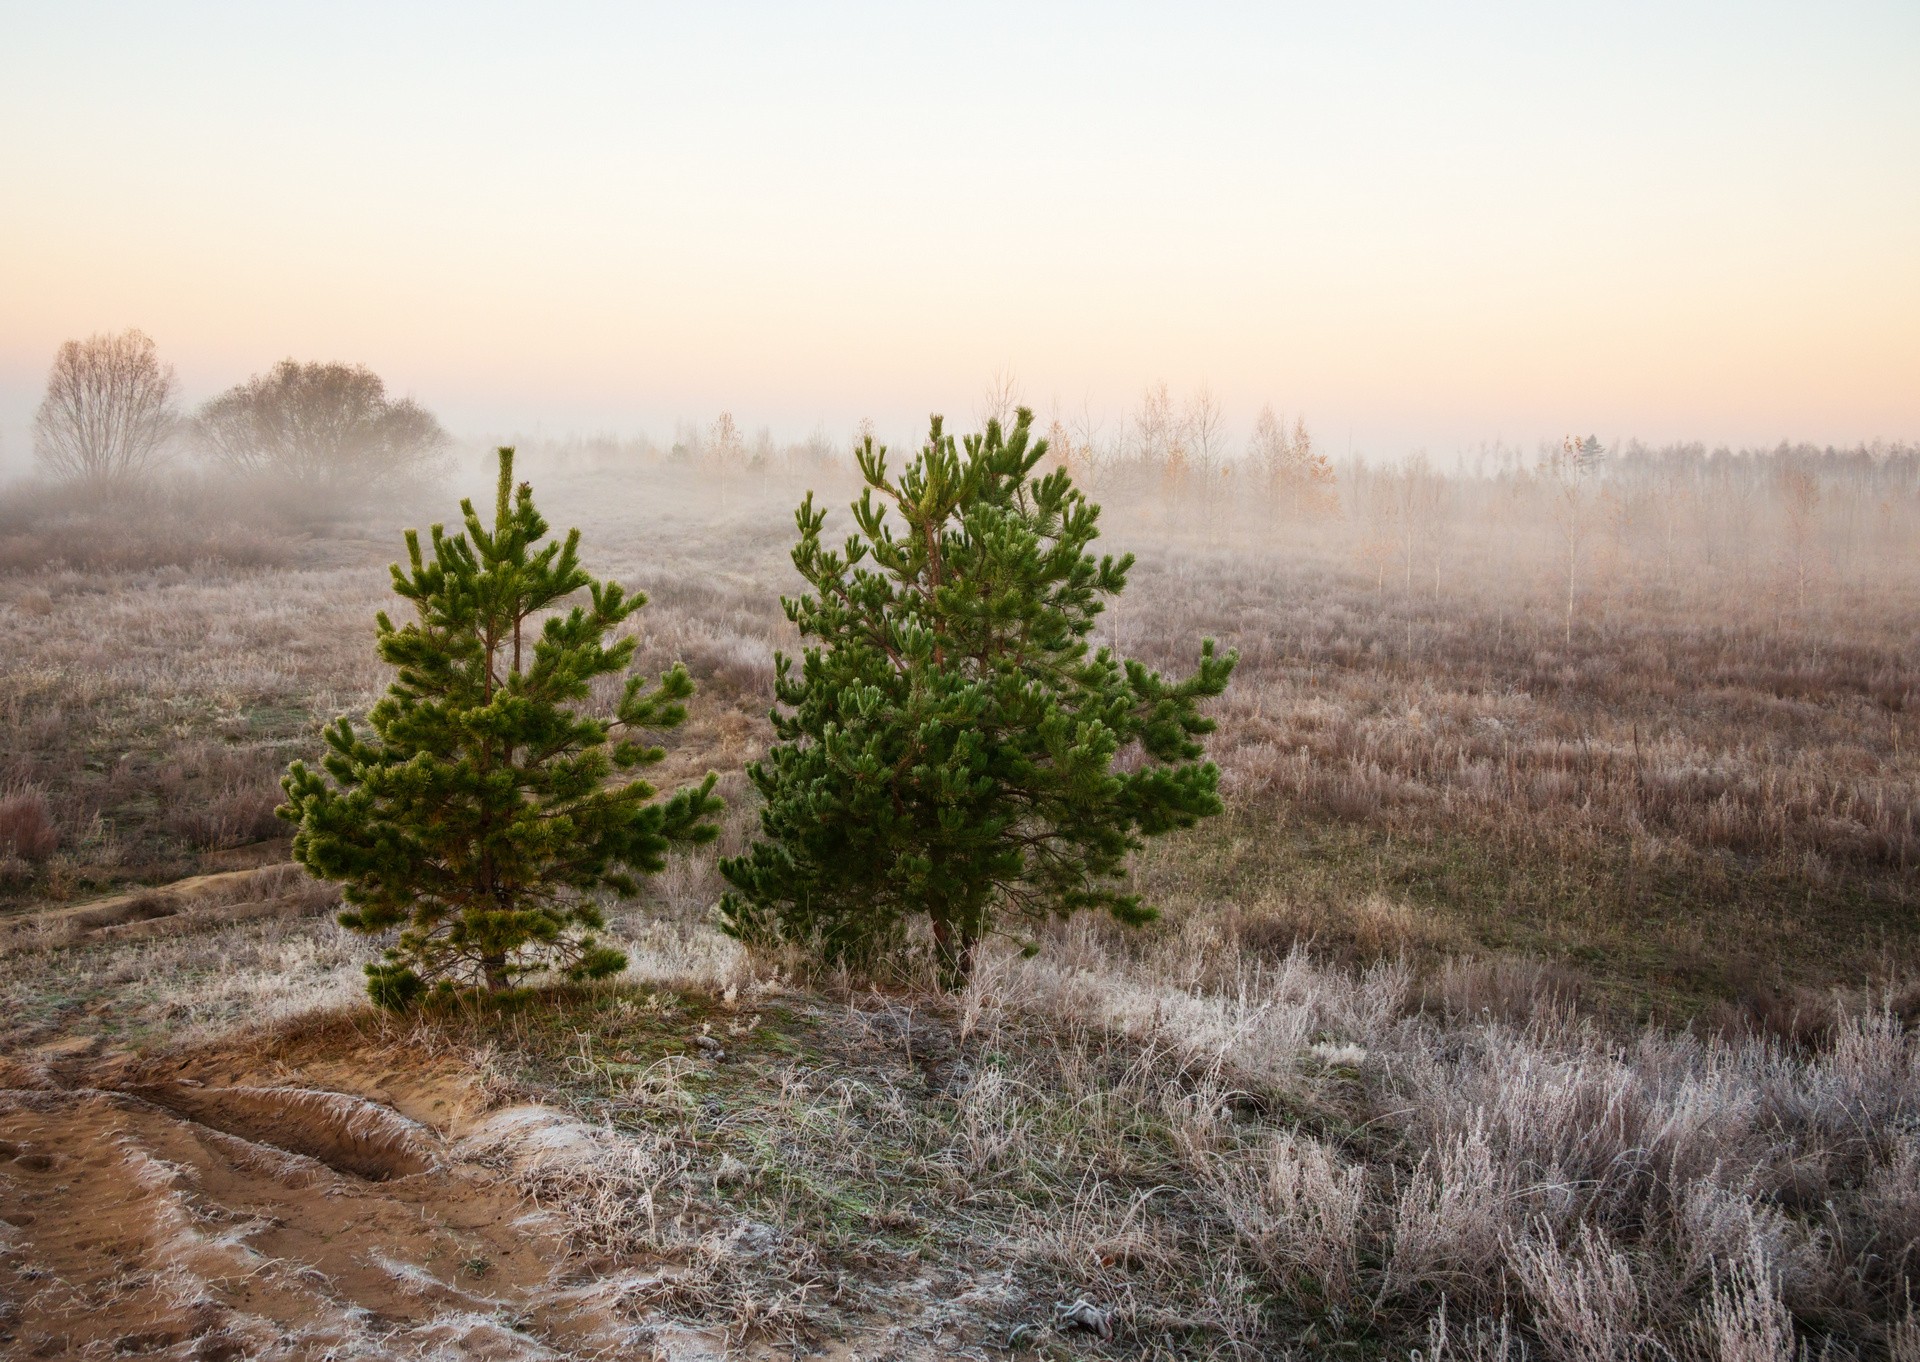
(1419, 229)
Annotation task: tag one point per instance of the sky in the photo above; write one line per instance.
(1421, 226)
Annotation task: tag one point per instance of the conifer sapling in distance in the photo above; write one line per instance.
(949, 744)
(487, 806)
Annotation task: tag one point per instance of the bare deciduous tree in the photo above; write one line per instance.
(1739, 496)
(1206, 428)
(1800, 495)
(108, 412)
(816, 451)
(1090, 457)
(760, 453)
(1298, 479)
(1313, 472)
(1570, 474)
(1060, 450)
(1156, 427)
(1373, 514)
(725, 451)
(328, 427)
(1072, 445)
(1673, 508)
(1419, 496)
(1000, 398)
(1267, 451)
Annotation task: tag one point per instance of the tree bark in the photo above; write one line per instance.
(954, 947)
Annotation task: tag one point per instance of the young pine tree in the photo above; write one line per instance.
(948, 747)
(484, 810)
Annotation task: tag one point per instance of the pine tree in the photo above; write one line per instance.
(483, 810)
(948, 745)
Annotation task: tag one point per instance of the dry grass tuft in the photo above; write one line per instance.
(26, 828)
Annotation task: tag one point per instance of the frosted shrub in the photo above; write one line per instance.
(1299, 1208)
(1584, 1298)
(1451, 1220)
(1746, 1319)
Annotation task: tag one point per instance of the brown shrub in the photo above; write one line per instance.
(1501, 988)
(218, 797)
(1375, 927)
(26, 827)
(1799, 1017)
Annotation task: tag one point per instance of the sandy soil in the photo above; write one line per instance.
(224, 1212)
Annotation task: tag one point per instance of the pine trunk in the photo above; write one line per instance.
(954, 947)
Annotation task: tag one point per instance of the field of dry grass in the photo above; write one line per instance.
(1125, 1147)
(1547, 989)
(1703, 791)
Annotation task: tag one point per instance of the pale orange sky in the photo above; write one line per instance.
(1421, 225)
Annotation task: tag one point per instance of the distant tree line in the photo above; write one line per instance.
(1588, 525)
(111, 419)
(1174, 452)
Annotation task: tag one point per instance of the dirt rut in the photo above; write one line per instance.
(266, 1221)
(192, 904)
(348, 1134)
